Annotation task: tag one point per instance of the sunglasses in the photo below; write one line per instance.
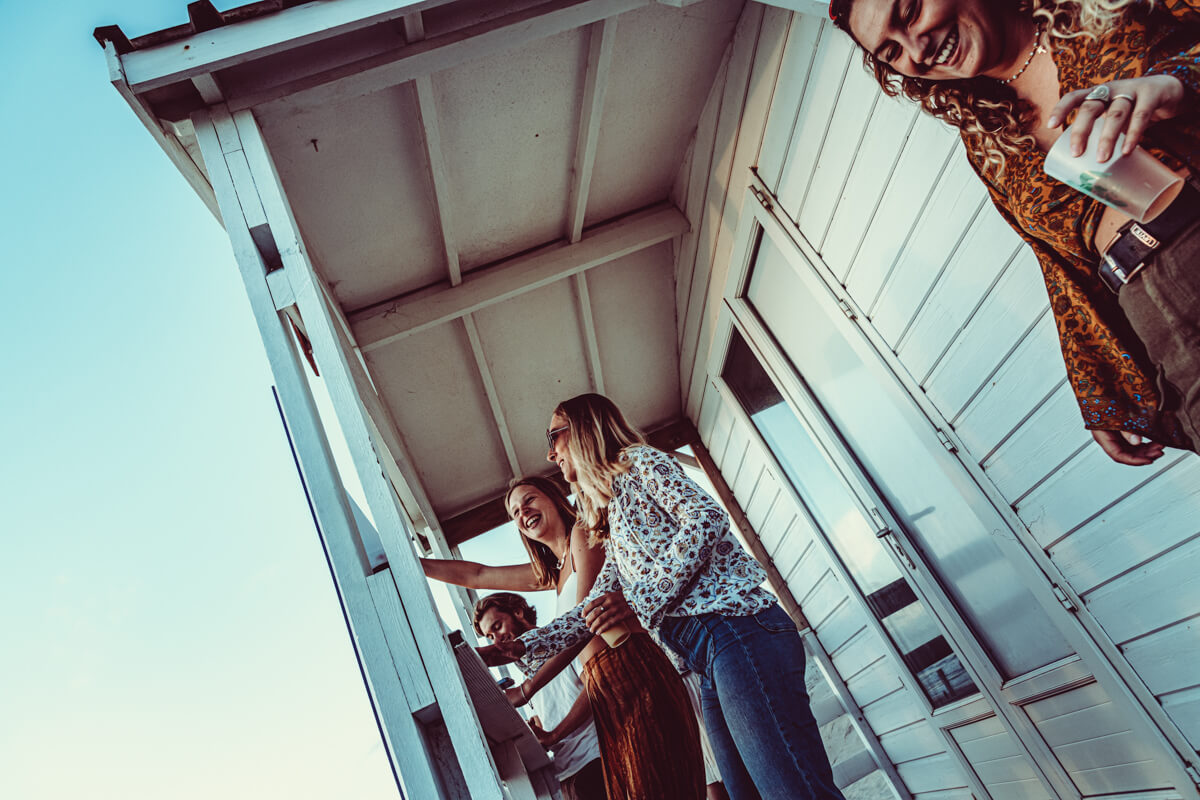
(551, 435)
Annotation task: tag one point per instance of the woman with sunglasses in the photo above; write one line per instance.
(637, 760)
(674, 566)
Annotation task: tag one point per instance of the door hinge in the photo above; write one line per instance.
(1064, 600)
(847, 310)
(944, 438)
(763, 198)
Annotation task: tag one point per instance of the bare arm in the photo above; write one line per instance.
(587, 559)
(553, 665)
(513, 578)
(579, 714)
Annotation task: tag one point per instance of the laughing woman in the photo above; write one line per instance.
(645, 695)
(1007, 74)
(673, 565)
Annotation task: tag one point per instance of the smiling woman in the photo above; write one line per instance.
(1008, 75)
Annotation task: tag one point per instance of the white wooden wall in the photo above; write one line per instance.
(887, 199)
(839, 619)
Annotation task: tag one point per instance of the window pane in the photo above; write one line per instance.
(925, 651)
(941, 508)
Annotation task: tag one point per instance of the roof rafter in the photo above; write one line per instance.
(389, 322)
(384, 70)
(602, 36)
(493, 396)
(230, 45)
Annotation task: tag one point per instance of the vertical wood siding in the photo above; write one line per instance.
(889, 201)
(886, 197)
(858, 654)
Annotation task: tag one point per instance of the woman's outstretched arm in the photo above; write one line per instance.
(512, 578)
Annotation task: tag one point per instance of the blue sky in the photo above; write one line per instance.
(170, 628)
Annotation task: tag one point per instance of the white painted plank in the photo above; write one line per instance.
(763, 501)
(874, 683)
(823, 599)
(798, 56)
(842, 625)
(1079, 490)
(842, 144)
(1039, 446)
(860, 652)
(605, 244)
(938, 234)
(985, 256)
(924, 160)
(932, 774)
(1016, 389)
(1007, 314)
(750, 99)
(835, 54)
(893, 712)
(377, 72)
(1158, 594)
(1166, 660)
(1184, 710)
(777, 525)
(1161, 515)
(918, 740)
(600, 49)
(708, 413)
(688, 269)
(874, 168)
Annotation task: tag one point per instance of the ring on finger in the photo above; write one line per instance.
(1129, 97)
(1101, 93)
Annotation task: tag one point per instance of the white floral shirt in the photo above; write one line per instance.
(670, 552)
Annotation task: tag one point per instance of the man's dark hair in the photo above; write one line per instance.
(508, 602)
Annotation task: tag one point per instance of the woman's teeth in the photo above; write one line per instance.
(947, 48)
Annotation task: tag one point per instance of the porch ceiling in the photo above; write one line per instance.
(485, 187)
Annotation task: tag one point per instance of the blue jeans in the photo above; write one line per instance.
(755, 703)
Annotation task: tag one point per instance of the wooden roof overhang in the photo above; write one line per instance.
(485, 189)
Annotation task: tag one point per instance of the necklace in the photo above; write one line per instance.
(1038, 47)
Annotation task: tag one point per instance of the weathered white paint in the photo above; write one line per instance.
(377, 328)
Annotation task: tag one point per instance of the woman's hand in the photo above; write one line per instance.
(501, 652)
(1128, 448)
(1132, 105)
(517, 695)
(543, 736)
(608, 610)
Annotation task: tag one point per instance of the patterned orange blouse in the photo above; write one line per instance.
(1113, 379)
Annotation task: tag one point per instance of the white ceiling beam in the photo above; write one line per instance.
(489, 388)
(384, 70)
(240, 42)
(380, 325)
(602, 35)
(437, 169)
(414, 27)
(209, 89)
(589, 332)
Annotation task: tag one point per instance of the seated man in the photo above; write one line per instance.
(566, 718)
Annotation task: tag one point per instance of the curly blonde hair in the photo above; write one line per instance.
(993, 121)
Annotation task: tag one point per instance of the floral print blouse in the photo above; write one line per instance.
(670, 551)
(1114, 380)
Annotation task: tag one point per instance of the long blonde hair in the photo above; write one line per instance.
(541, 558)
(599, 434)
(994, 122)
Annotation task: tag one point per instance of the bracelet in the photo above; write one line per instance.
(524, 698)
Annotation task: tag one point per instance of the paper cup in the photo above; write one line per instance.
(1137, 184)
(615, 636)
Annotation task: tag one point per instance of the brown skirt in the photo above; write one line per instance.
(649, 738)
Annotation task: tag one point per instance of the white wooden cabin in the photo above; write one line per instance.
(472, 209)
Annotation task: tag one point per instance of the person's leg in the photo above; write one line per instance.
(1163, 306)
(758, 673)
(636, 697)
(737, 780)
(586, 784)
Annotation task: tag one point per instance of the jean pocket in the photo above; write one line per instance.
(775, 620)
(683, 635)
